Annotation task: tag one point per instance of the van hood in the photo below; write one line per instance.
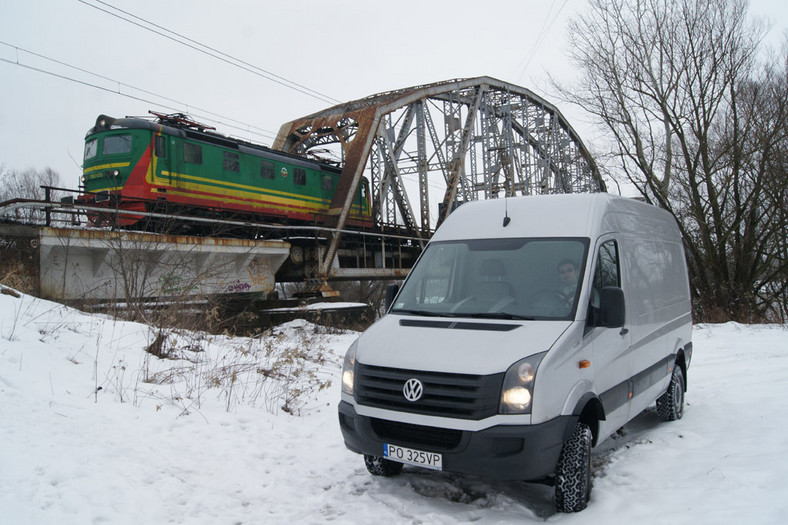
(454, 345)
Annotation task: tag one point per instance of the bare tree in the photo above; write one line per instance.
(27, 185)
(372, 293)
(698, 127)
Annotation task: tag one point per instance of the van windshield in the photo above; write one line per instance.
(496, 278)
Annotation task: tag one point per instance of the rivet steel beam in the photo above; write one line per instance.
(497, 140)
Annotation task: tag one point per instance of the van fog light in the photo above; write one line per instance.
(517, 399)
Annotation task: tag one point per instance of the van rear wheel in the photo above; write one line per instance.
(378, 466)
(670, 405)
(573, 472)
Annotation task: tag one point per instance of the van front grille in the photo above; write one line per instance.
(416, 435)
(462, 396)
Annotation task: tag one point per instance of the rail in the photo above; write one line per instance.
(80, 209)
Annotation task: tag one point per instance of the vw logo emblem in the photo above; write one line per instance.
(413, 389)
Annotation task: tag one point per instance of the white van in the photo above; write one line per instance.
(529, 330)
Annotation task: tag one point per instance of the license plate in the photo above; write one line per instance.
(409, 456)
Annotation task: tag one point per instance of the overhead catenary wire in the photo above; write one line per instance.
(214, 117)
(543, 32)
(208, 50)
(211, 115)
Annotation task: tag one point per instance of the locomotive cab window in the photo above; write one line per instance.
(160, 146)
(192, 153)
(328, 183)
(267, 169)
(116, 144)
(91, 148)
(299, 177)
(231, 162)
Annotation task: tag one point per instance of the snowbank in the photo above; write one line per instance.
(94, 429)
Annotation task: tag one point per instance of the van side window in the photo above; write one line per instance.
(607, 273)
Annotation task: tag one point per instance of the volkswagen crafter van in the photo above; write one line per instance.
(529, 330)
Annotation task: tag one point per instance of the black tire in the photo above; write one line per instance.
(378, 466)
(573, 472)
(670, 405)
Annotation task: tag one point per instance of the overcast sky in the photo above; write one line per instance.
(342, 49)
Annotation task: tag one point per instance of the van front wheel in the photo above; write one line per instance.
(378, 466)
(670, 405)
(573, 472)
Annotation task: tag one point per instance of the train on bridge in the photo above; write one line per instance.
(189, 189)
(174, 164)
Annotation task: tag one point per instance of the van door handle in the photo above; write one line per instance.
(624, 331)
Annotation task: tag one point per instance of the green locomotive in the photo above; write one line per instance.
(139, 165)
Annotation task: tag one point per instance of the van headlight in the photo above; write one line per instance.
(518, 386)
(348, 369)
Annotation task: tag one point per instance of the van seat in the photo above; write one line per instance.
(491, 286)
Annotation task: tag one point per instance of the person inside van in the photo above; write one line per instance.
(567, 274)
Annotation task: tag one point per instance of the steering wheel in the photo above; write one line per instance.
(549, 302)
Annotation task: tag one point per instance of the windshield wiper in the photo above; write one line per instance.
(479, 315)
(500, 315)
(426, 313)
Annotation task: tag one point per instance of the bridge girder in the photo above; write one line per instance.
(497, 139)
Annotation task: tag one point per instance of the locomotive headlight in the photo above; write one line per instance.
(116, 173)
(84, 178)
(518, 386)
(348, 370)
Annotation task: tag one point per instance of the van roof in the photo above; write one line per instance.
(562, 215)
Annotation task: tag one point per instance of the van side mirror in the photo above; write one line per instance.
(391, 293)
(612, 310)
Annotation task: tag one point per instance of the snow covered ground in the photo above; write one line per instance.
(84, 438)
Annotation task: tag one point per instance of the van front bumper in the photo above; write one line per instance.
(506, 452)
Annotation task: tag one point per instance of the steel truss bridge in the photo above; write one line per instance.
(425, 150)
(440, 145)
